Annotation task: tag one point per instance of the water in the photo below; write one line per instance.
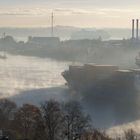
(18, 73)
(32, 80)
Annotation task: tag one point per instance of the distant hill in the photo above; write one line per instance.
(67, 32)
(90, 34)
(119, 32)
(64, 32)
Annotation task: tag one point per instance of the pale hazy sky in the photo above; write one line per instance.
(83, 13)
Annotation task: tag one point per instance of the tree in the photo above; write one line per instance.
(94, 134)
(131, 135)
(26, 120)
(52, 115)
(75, 121)
(7, 109)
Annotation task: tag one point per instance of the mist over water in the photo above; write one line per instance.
(33, 80)
(20, 73)
(37, 55)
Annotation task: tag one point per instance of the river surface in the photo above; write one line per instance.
(31, 80)
(18, 73)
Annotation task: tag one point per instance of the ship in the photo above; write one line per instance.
(3, 55)
(83, 78)
(137, 60)
(111, 93)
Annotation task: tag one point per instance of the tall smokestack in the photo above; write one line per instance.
(137, 29)
(133, 26)
(52, 24)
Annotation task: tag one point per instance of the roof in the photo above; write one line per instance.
(125, 71)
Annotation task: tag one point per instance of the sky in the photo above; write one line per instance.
(79, 13)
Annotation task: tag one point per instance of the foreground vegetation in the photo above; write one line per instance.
(50, 121)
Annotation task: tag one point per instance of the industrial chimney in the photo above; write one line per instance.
(133, 28)
(137, 29)
(52, 25)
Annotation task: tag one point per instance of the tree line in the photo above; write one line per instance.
(51, 120)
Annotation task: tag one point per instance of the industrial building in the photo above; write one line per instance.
(44, 41)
